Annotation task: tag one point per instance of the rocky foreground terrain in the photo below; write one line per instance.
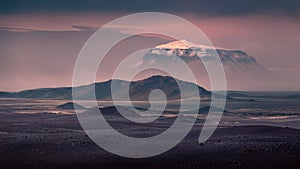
(47, 140)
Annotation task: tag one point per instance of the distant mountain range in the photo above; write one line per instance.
(138, 90)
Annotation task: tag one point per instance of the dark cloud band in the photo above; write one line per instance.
(203, 7)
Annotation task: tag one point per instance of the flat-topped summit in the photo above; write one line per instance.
(185, 44)
(185, 48)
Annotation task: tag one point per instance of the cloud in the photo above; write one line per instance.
(12, 29)
(202, 7)
(85, 28)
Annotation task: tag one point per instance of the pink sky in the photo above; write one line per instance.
(40, 50)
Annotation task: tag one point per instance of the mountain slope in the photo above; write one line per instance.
(242, 71)
(138, 90)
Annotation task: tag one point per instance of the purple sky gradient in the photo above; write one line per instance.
(40, 50)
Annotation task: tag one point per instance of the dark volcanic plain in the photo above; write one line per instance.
(47, 140)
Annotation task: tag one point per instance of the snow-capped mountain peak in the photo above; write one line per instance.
(184, 44)
(241, 69)
(186, 49)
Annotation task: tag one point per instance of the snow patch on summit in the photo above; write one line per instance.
(184, 44)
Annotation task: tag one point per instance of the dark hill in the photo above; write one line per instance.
(139, 90)
(70, 106)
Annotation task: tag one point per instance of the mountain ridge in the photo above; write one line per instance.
(139, 90)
